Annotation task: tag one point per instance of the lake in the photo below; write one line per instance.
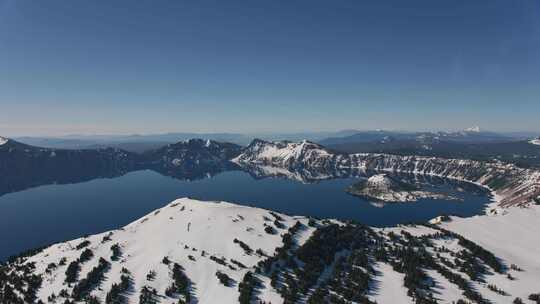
(53, 213)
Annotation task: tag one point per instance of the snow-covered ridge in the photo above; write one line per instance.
(282, 153)
(196, 235)
(3, 140)
(209, 247)
(512, 185)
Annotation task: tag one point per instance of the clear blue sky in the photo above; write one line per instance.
(250, 66)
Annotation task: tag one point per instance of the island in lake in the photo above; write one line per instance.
(384, 188)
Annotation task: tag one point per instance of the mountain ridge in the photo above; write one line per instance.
(192, 251)
(513, 186)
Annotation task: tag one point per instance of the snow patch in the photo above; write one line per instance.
(190, 232)
(535, 141)
(513, 237)
(475, 129)
(388, 288)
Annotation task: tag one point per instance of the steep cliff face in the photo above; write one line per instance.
(513, 186)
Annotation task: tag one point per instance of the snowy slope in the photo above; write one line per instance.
(183, 228)
(282, 153)
(514, 236)
(3, 140)
(388, 288)
(206, 237)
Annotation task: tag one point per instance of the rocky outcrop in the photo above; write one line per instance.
(385, 188)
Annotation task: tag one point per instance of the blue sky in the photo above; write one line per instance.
(267, 66)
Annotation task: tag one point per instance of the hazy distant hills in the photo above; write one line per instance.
(132, 143)
(142, 143)
(470, 135)
(468, 143)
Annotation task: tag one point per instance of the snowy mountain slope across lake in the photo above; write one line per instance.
(512, 185)
(217, 252)
(283, 153)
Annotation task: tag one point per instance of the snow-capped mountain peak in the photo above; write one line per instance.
(475, 129)
(282, 153)
(3, 140)
(202, 238)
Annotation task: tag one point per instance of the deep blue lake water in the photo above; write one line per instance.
(53, 213)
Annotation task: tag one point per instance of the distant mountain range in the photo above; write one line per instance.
(141, 143)
(133, 143)
(471, 143)
(469, 135)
